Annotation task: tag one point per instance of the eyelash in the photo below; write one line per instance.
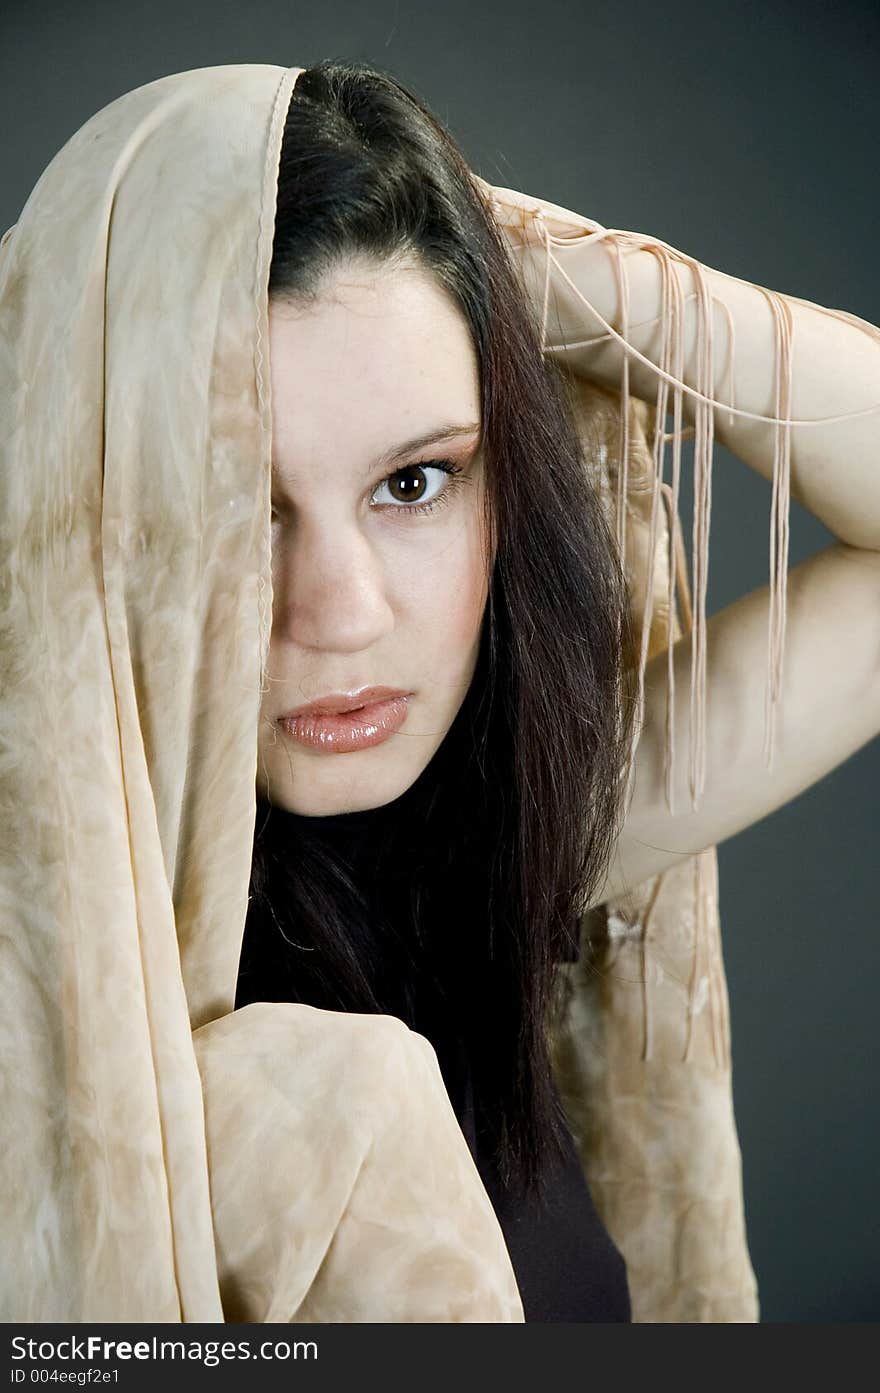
(454, 471)
(455, 482)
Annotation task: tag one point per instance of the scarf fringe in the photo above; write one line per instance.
(669, 372)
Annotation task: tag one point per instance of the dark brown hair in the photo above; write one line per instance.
(474, 881)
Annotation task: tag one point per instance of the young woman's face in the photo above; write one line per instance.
(380, 565)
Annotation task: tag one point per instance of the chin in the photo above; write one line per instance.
(311, 793)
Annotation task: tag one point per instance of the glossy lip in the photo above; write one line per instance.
(337, 731)
(337, 702)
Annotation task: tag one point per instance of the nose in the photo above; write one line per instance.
(330, 588)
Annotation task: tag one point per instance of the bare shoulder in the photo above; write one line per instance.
(829, 709)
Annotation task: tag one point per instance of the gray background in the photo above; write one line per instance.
(747, 135)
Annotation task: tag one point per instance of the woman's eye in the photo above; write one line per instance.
(416, 484)
(417, 488)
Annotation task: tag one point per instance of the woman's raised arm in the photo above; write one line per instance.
(834, 356)
(768, 355)
(829, 705)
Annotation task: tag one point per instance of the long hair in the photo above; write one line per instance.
(469, 888)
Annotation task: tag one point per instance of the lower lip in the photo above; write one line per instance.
(348, 730)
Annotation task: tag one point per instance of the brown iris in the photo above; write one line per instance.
(410, 488)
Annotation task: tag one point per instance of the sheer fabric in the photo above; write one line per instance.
(566, 1266)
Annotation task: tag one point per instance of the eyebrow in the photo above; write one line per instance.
(418, 442)
(407, 447)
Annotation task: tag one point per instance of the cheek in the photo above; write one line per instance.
(445, 598)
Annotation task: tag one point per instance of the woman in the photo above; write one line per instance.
(406, 874)
(303, 1157)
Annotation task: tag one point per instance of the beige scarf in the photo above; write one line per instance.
(163, 1157)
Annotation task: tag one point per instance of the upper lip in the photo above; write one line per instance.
(337, 702)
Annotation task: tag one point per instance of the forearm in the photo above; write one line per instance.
(586, 284)
(835, 364)
(835, 370)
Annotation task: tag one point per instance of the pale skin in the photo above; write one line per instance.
(830, 701)
(368, 588)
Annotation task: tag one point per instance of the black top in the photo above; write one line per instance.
(566, 1265)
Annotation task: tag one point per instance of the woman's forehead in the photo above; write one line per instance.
(375, 370)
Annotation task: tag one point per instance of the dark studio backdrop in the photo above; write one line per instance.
(746, 134)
